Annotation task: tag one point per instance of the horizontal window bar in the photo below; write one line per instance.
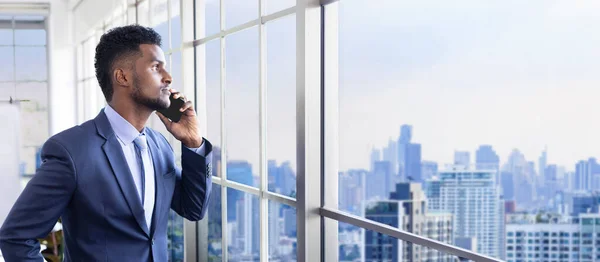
(235, 185)
(403, 235)
(255, 22)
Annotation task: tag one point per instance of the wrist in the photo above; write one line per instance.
(193, 143)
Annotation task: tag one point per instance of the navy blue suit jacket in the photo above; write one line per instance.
(84, 178)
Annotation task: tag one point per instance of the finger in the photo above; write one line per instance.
(165, 120)
(179, 95)
(186, 106)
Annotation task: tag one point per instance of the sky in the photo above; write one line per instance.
(512, 74)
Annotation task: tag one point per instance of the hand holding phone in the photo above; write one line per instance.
(173, 112)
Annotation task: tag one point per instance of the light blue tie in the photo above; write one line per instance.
(141, 146)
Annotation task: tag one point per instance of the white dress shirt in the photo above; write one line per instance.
(126, 134)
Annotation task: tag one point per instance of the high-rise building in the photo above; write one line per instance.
(584, 171)
(412, 171)
(584, 203)
(375, 156)
(379, 183)
(486, 158)
(552, 238)
(282, 178)
(429, 169)
(241, 172)
(473, 198)
(407, 210)
(390, 153)
(462, 158)
(543, 161)
(274, 229)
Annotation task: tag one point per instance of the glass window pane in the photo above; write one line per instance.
(31, 63)
(355, 243)
(159, 21)
(131, 16)
(238, 12)
(175, 237)
(241, 106)
(281, 105)
(215, 234)
(30, 37)
(80, 65)
(142, 13)
(212, 14)
(213, 98)
(34, 131)
(6, 36)
(243, 235)
(274, 6)
(7, 64)
(282, 232)
(176, 35)
(175, 68)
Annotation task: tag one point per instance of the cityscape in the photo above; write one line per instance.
(515, 210)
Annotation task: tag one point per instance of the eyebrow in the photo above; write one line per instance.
(157, 60)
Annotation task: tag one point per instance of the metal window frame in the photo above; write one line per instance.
(317, 87)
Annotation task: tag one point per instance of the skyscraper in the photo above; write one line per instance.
(543, 161)
(241, 172)
(412, 162)
(473, 198)
(390, 153)
(407, 210)
(584, 172)
(462, 158)
(429, 169)
(379, 183)
(486, 158)
(375, 156)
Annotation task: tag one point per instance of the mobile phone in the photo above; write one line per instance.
(173, 112)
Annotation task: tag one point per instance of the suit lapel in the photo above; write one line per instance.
(159, 181)
(116, 158)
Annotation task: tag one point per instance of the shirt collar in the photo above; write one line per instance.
(122, 128)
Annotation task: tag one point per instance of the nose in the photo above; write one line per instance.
(167, 78)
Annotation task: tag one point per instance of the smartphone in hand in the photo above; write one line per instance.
(173, 112)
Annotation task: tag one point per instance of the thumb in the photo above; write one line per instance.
(165, 120)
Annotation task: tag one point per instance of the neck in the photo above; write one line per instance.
(135, 114)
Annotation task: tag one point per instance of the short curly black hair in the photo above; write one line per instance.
(118, 43)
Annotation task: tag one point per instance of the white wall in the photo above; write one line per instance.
(62, 67)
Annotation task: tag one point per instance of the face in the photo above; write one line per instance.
(151, 80)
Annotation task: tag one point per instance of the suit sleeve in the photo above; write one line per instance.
(39, 206)
(194, 183)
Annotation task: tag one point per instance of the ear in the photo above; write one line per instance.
(122, 77)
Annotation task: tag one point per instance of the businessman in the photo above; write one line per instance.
(112, 180)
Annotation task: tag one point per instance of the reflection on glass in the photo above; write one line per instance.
(281, 105)
(241, 106)
(282, 232)
(213, 100)
(238, 12)
(215, 233)
(243, 235)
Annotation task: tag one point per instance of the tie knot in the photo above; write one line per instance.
(140, 142)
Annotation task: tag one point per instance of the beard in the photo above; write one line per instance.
(149, 102)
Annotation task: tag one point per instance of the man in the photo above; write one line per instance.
(112, 180)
